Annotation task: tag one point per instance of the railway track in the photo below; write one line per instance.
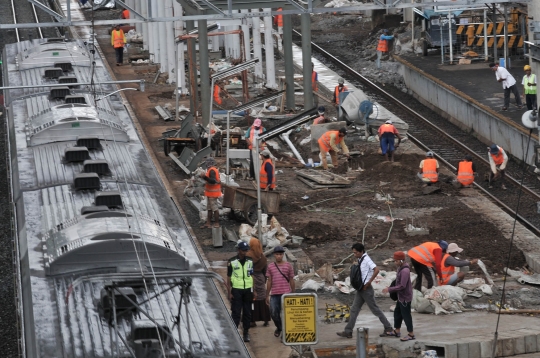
(450, 144)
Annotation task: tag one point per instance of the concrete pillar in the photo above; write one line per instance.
(155, 33)
(138, 26)
(495, 55)
(306, 60)
(193, 99)
(247, 44)
(289, 67)
(178, 30)
(257, 47)
(204, 69)
(169, 40)
(215, 41)
(269, 51)
(162, 30)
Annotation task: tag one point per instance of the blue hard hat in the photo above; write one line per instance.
(494, 149)
(242, 246)
(443, 244)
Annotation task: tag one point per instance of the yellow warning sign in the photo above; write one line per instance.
(299, 319)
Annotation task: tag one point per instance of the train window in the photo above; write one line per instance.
(71, 119)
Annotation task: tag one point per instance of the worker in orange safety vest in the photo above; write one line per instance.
(212, 191)
(339, 88)
(387, 133)
(278, 21)
(448, 264)
(251, 134)
(125, 14)
(429, 169)
(425, 258)
(497, 161)
(321, 119)
(217, 92)
(314, 84)
(267, 173)
(328, 144)
(118, 39)
(466, 172)
(382, 46)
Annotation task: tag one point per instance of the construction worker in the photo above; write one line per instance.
(240, 287)
(280, 276)
(217, 92)
(509, 85)
(321, 119)
(387, 133)
(529, 88)
(125, 14)
(497, 160)
(339, 88)
(328, 144)
(448, 264)
(251, 134)
(428, 171)
(267, 174)
(425, 258)
(212, 191)
(382, 46)
(466, 172)
(118, 39)
(278, 21)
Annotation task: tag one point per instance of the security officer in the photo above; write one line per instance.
(240, 287)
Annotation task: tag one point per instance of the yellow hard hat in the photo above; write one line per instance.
(527, 68)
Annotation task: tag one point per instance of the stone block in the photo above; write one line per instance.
(485, 349)
(508, 346)
(451, 351)
(474, 349)
(462, 350)
(531, 344)
(519, 345)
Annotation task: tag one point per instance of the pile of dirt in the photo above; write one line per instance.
(317, 232)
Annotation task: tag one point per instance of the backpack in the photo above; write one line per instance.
(393, 295)
(356, 276)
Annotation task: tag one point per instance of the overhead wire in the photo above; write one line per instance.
(503, 295)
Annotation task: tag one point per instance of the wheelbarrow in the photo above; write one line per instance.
(244, 200)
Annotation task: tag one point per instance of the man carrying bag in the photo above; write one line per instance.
(361, 277)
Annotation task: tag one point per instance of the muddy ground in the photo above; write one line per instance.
(331, 220)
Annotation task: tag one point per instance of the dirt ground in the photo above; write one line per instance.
(332, 220)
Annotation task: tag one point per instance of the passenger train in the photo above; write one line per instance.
(106, 266)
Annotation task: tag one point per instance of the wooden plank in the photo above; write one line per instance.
(313, 185)
(321, 177)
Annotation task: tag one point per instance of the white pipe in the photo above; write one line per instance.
(285, 137)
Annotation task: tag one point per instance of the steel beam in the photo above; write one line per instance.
(204, 69)
(48, 10)
(257, 47)
(289, 66)
(306, 59)
(269, 52)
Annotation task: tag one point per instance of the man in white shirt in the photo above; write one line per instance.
(368, 271)
(509, 85)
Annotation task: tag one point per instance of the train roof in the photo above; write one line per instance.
(96, 229)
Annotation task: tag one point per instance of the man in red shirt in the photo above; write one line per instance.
(280, 281)
(387, 134)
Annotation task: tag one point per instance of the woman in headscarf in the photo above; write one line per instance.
(261, 311)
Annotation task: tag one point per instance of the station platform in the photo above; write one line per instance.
(475, 80)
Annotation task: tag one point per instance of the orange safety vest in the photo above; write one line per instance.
(499, 158)
(382, 45)
(446, 271)
(125, 14)
(314, 81)
(217, 98)
(212, 190)
(263, 176)
(252, 134)
(319, 120)
(337, 91)
(430, 170)
(118, 38)
(424, 253)
(279, 18)
(465, 173)
(324, 140)
(387, 128)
